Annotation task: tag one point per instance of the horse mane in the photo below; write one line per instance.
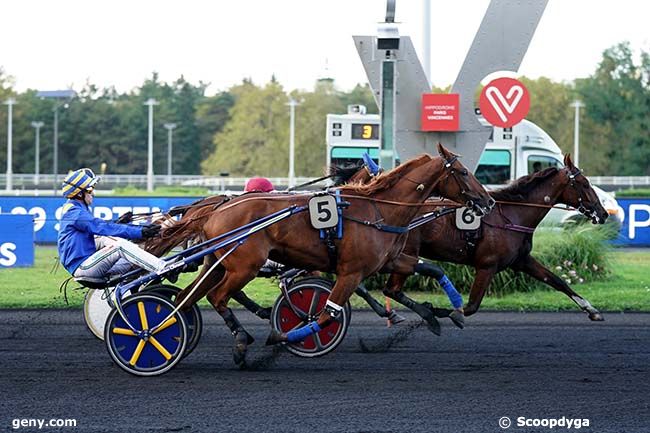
(518, 189)
(388, 179)
(342, 173)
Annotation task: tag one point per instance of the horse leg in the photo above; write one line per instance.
(393, 290)
(481, 282)
(218, 297)
(376, 306)
(434, 271)
(341, 292)
(252, 306)
(535, 269)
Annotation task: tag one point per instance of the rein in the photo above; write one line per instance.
(395, 203)
(176, 210)
(546, 206)
(311, 182)
(509, 225)
(360, 197)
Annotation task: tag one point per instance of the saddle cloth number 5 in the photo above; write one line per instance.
(322, 212)
(466, 220)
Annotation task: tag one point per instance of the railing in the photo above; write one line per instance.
(26, 182)
(621, 182)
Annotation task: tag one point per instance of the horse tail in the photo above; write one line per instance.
(187, 229)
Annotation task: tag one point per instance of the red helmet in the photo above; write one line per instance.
(258, 184)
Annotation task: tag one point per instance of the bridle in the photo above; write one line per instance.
(580, 191)
(450, 171)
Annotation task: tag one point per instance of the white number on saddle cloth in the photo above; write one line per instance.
(322, 212)
(466, 220)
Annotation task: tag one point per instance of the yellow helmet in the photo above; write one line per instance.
(77, 181)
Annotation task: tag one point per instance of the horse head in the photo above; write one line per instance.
(459, 182)
(580, 194)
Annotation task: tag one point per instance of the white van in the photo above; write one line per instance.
(524, 149)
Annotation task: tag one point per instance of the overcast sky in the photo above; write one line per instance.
(49, 44)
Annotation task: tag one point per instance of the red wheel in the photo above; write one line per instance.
(308, 297)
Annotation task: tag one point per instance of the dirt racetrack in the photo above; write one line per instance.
(541, 365)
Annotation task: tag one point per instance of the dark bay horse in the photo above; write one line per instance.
(506, 234)
(389, 201)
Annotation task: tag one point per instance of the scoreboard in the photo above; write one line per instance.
(351, 135)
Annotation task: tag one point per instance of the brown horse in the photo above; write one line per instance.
(506, 235)
(182, 233)
(373, 236)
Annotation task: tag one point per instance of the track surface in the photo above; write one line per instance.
(544, 365)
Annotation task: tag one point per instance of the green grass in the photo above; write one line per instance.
(160, 191)
(626, 289)
(636, 193)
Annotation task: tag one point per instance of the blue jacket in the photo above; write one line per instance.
(78, 226)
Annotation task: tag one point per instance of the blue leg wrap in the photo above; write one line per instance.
(454, 297)
(301, 333)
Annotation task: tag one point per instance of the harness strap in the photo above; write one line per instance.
(428, 217)
(379, 226)
(329, 235)
(396, 203)
(511, 227)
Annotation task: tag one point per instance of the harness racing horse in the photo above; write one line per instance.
(159, 246)
(374, 224)
(506, 238)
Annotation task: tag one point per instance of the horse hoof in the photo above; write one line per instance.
(395, 318)
(239, 354)
(596, 317)
(434, 325)
(264, 313)
(458, 318)
(275, 337)
(242, 340)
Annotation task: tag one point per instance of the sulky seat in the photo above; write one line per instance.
(97, 283)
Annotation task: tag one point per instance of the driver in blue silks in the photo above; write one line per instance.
(95, 248)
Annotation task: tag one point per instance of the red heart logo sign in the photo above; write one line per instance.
(504, 102)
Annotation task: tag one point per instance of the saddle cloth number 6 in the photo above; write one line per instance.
(466, 220)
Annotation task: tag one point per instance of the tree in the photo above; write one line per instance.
(6, 84)
(550, 109)
(254, 141)
(361, 94)
(311, 126)
(617, 99)
(212, 114)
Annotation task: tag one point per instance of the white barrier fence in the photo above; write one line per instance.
(27, 182)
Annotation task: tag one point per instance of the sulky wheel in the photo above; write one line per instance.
(308, 297)
(145, 353)
(193, 317)
(96, 310)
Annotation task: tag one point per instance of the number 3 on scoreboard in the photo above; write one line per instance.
(367, 131)
(322, 212)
